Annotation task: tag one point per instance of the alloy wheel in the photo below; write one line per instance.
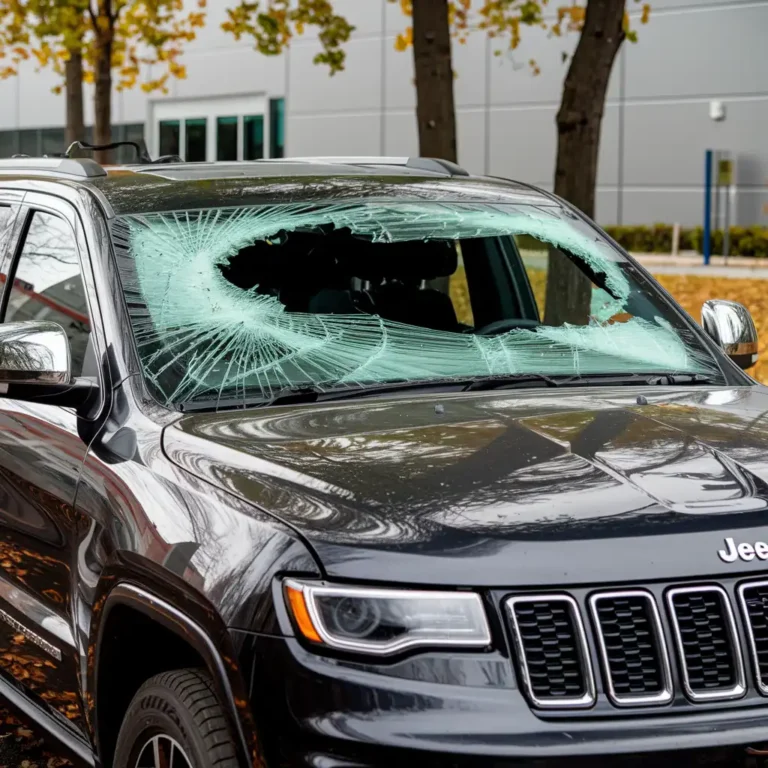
(162, 751)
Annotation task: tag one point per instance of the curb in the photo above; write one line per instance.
(746, 263)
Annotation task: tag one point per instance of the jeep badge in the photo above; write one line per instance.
(743, 551)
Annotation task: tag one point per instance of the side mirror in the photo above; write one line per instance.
(34, 353)
(731, 326)
(35, 365)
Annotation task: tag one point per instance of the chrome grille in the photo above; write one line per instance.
(632, 649)
(754, 604)
(552, 650)
(707, 643)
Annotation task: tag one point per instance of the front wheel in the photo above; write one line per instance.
(175, 721)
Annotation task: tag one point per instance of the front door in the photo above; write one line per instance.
(41, 456)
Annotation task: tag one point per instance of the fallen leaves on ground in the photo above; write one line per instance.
(21, 748)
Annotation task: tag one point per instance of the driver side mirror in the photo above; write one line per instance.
(35, 364)
(731, 326)
(33, 353)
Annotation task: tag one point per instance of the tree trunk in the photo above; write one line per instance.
(435, 111)
(103, 86)
(73, 80)
(578, 142)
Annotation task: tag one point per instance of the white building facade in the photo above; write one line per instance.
(694, 59)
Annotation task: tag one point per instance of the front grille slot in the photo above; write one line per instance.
(632, 650)
(552, 650)
(754, 604)
(707, 643)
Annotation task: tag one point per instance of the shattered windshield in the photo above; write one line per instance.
(242, 303)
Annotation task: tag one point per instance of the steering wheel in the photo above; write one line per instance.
(506, 324)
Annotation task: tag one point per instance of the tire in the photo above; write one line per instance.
(180, 707)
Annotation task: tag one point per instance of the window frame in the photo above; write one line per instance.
(51, 205)
(12, 199)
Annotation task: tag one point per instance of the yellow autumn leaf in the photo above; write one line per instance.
(404, 40)
(577, 13)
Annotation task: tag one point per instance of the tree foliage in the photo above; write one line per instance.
(149, 32)
(504, 20)
(274, 23)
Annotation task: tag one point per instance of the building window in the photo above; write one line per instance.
(52, 141)
(253, 144)
(226, 138)
(276, 127)
(29, 142)
(128, 132)
(169, 137)
(196, 131)
(9, 143)
(220, 129)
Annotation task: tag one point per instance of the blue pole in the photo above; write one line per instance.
(707, 245)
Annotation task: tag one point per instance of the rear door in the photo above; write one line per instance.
(41, 456)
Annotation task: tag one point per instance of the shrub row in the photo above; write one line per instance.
(745, 241)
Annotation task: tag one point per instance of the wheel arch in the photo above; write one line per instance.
(216, 658)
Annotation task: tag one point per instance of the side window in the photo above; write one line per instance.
(48, 285)
(6, 224)
(535, 256)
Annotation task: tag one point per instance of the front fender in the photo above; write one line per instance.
(176, 607)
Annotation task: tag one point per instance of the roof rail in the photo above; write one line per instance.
(431, 164)
(83, 168)
(141, 148)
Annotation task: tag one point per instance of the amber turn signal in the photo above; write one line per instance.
(300, 613)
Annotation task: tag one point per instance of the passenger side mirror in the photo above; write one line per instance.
(731, 326)
(35, 364)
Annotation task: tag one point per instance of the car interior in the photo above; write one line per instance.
(337, 273)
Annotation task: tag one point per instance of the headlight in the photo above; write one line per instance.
(384, 621)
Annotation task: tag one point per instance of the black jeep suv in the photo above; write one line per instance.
(344, 461)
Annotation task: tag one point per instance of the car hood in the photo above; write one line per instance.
(504, 488)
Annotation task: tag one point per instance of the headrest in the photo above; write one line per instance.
(411, 260)
(313, 256)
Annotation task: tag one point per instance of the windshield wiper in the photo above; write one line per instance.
(603, 379)
(510, 382)
(671, 379)
(310, 394)
(638, 379)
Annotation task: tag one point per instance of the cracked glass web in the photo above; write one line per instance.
(201, 336)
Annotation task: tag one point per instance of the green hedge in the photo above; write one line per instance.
(745, 241)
